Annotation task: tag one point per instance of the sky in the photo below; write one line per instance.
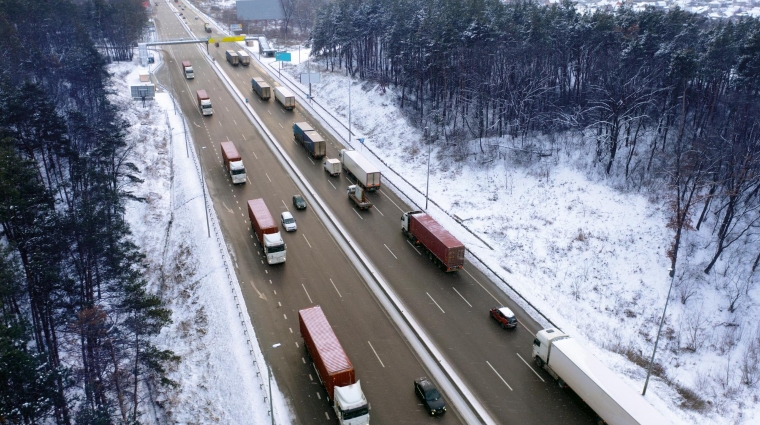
(583, 249)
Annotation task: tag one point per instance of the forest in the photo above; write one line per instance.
(76, 317)
(668, 98)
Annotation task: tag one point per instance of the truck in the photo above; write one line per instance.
(232, 57)
(613, 401)
(285, 97)
(261, 88)
(187, 69)
(204, 103)
(207, 27)
(233, 162)
(334, 369)
(309, 139)
(245, 58)
(267, 232)
(332, 166)
(355, 164)
(358, 196)
(442, 247)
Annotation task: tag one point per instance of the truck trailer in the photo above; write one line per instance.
(367, 175)
(232, 57)
(261, 88)
(334, 369)
(443, 248)
(187, 69)
(613, 401)
(233, 162)
(204, 103)
(332, 166)
(286, 97)
(244, 57)
(267, 232)
(309, 139)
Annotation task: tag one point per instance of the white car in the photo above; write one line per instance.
(288, 222)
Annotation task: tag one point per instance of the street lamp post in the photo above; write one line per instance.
(427, 184)
(266, 357)
(659, 330)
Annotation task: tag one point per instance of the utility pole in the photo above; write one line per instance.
(659, 330)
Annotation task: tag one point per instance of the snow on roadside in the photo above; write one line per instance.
(218, 380)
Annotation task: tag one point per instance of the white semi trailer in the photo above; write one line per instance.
(614, 402)
(355, 164)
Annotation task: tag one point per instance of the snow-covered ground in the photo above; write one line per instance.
(588, 254)
(218, 379)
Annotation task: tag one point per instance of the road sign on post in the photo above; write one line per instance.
(282, 56)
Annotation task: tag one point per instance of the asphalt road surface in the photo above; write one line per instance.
(452, 308)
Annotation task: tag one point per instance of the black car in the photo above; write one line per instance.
(299, 202)
(431, 398)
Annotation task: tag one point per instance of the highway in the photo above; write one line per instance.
(452, 308)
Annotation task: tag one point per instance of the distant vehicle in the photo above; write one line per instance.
(245, 58)
(288, 222)
(299, 202)
(187, 68)
(613, 400)
(286, 97)
(232, 57)
(204, 103)
(431, 398)
(332, 166)
(504, 316)
(196, 18)
(356, 165)
(267, 232)
(207, 27)
(358, 196)
(261, 88)
(233, 162)
(443, 248)
(309, 139)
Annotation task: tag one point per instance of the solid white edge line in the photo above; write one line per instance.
(436, 304)
(529, 367)
(499, 375)
(378, 357)
(465, 299)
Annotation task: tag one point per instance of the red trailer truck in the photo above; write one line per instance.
(333, 367)
(443, 248)
(266, 231)
(233, 162)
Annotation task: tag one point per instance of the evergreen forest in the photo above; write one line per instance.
(76, 320)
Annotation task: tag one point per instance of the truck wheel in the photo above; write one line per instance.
(561, 383)
(539, 362)
(403, 231)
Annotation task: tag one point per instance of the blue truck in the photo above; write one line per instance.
(309, 139)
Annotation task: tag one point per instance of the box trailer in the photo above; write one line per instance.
(232, 57)
(356, 165)
(443, 248)
(286, 97)
(267, 232)
(309, 139)
(261, 88)
(233, 162)
(613, 401)
(332, 166)
(244, 57)
(334, 369)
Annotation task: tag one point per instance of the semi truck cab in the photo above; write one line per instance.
(274, 248)
(351, 407)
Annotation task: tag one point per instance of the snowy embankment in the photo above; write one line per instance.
(221, 375)
(589, 254)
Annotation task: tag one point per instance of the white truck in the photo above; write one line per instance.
(286, 97)
(187, 69)
(245, 58)
(332, 166)
(354, 164)
(614, 402)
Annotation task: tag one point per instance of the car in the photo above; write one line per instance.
(431, 398)
(299, 202)
(288, 222)
(504, 316)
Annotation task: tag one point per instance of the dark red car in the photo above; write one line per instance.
(504, 316)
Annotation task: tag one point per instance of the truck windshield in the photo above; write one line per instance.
(236, 172)
(206, 106)
(276, 248)
(355, 413)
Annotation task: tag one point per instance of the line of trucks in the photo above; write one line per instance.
(562, 357)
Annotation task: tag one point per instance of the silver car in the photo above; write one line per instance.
(288, 222)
